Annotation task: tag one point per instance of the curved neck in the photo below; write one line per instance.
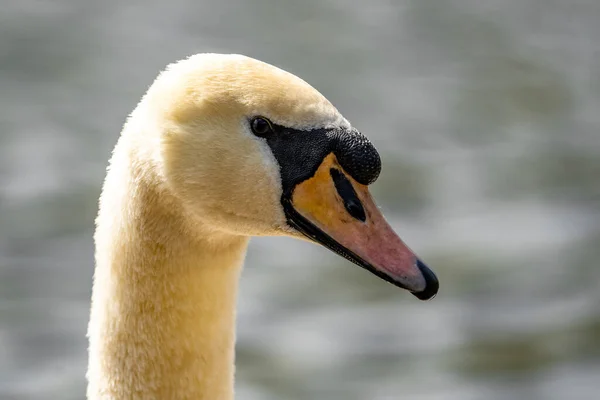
(162, 322)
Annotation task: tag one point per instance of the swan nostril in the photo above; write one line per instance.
(356, 210)
(346, 191)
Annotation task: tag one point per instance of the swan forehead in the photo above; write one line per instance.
(238, 86)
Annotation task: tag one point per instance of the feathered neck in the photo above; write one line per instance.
(162, 322)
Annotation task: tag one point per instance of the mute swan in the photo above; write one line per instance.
(221, 148)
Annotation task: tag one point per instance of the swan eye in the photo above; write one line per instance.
(261, 126)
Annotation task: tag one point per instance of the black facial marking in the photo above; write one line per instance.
(346, 191)
(299, 153)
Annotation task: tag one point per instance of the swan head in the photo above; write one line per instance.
(250, 149)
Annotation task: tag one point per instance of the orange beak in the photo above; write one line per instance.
(333, 209)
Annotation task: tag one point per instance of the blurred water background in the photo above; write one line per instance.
(487, 116)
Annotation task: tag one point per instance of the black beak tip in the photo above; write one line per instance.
(432, 284)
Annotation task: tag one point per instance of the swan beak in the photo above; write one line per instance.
(333, 209)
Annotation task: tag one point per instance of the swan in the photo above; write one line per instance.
(219, 149)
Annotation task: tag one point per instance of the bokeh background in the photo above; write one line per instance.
(487, 116)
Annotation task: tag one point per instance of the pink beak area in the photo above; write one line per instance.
(336, 211)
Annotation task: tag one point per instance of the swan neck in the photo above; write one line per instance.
(163, 304)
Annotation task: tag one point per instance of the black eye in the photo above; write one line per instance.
(261, 126)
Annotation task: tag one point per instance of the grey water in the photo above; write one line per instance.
(486, 114)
